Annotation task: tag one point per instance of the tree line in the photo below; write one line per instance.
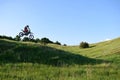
(43, 40)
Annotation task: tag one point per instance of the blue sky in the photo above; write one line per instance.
(67, 21)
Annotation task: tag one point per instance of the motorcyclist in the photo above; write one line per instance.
(26, 29)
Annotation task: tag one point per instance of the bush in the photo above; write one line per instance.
(84, 45)
(64, 44)
(45, 41)
(58, 43)
(17, 38)
(26, 39)
(37, 40)
(6, 37)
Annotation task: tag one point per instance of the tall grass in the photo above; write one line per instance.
(30, 71)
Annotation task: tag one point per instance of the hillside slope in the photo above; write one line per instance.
(107, 50)
(32, 61)
(12, 51)
(17, 52)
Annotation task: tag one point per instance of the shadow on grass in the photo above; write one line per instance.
(42, 55)
(92, 46)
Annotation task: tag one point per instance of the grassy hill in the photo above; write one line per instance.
(107, 50)
(32, 61)
(16, 52)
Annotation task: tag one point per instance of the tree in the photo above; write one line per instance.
(45, 41)
(58, 43)
(6, 37)
(26, 39)
(84, 45)
(17, 38)
(37, 40)
(64, 44)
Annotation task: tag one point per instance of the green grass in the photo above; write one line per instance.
(30, 71)
(32, 61)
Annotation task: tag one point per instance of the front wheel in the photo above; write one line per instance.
(31, 36)
(21, 34)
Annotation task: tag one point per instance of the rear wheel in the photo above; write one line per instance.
(31, 36)
(21, 34)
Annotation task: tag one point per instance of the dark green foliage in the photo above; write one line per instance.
(84, 45)
(5, 46)
(64, 44)
(26, 39)
(37, 40)
(30, 40)
(6, 37)
(58, 43)
(45, 41)
(17, 38)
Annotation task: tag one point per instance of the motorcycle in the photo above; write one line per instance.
(29, 34)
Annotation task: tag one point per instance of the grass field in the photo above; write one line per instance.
(32, 61)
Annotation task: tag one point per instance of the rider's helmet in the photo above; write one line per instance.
(27, 26)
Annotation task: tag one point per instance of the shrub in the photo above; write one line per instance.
(64, 44)
(45, 41)
(58, 43)
(6, 37)
(84, 45)
(26, 39)
(17, 38)
(37, 40)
